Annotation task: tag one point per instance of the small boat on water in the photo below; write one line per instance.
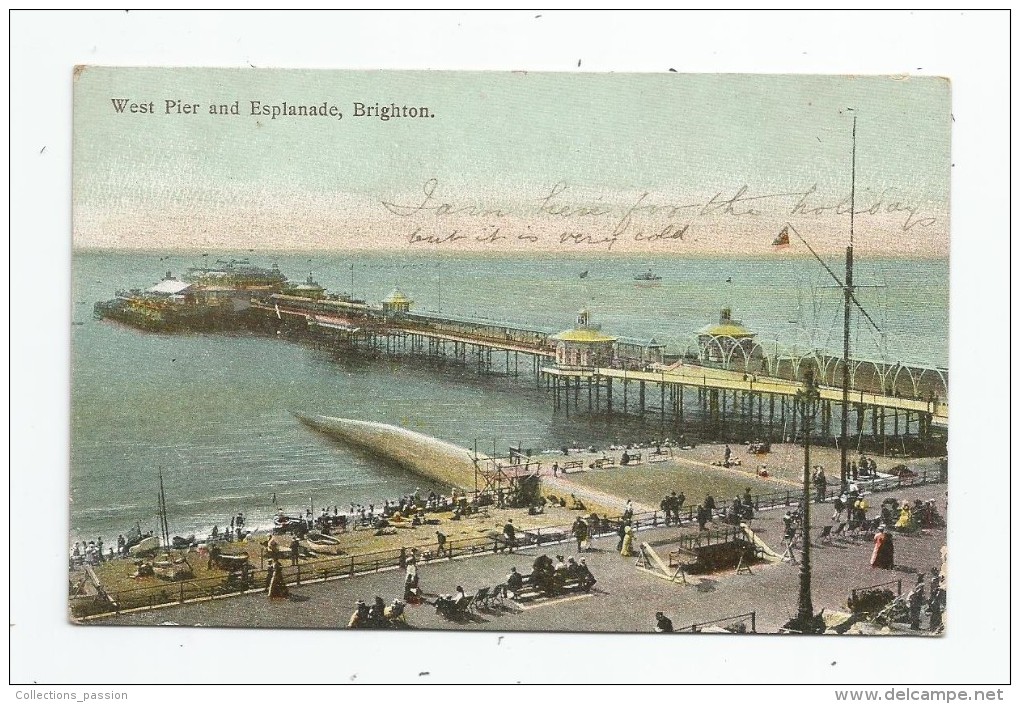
(584, 274)
(647, 276)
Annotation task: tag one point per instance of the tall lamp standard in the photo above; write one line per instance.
(806, 621)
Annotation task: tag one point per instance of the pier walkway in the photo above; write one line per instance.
(723, 379)
(893, 397)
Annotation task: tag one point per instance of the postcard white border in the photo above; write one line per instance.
(971, 48)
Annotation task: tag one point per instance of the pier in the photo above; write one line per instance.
(730, 383)
(733, 383)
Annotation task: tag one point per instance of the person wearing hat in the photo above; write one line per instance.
(789, 526)
(580, 531)
(277, 587)
(513, 584)
(882, 556)
(914, 603)
(412, 590)
(587, 578)
(936, 601)
(395, 614)
(359, 619)
(377, 614)
(662, 623)
(510, 535)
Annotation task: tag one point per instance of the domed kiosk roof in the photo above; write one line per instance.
(584, 335)
(726, 327)
(585, 332)
(397, 296)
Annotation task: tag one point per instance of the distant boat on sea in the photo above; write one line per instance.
(647, 276)
(584, 274)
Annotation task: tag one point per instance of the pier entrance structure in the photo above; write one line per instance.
(735, 382)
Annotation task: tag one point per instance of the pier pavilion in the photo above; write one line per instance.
(397, 302)
(584, 346)
(719, 342)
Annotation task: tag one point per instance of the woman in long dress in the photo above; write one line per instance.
(277, 587)
(628, 542)
(906, 521)
(882, 555)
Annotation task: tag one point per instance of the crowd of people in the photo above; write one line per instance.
(547, 578)
(671, 506)
(934, 605)
(91, 552)
(651, 444)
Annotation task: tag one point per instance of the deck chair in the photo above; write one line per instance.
(868, 527)
(497, 595)
(480, 597)
(826, 534)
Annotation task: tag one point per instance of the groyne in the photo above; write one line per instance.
(421, 454)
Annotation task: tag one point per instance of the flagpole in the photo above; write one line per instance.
(848, 287)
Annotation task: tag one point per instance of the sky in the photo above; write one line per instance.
(677, 163)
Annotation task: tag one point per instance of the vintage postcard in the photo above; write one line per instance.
(510, 351)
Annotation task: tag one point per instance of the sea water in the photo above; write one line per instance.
(213, 412)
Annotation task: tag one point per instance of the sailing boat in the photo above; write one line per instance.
(170, 567)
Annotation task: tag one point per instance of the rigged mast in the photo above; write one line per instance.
(848, 288)
(164, 526)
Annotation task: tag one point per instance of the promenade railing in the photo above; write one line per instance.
(741, 618)
(256, 576)
(860, 590)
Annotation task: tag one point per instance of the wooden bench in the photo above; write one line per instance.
(529, 590)
(572, 464)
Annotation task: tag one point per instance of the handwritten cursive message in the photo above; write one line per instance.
(436, 219)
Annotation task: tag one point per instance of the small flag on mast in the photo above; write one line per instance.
(782, 240)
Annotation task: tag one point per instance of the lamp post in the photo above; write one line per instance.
(808, 398)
